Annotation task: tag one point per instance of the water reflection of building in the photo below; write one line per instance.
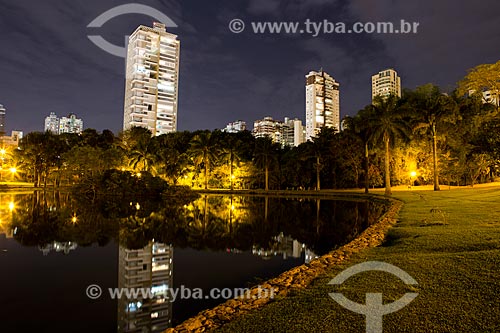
(64, 247)
(149, 268)
(285, 246)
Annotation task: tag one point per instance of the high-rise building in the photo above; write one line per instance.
(293, 132)
(13, 140)
(268, 127)
(322, 103)
(235, 127)
(70, 124)
(2, 120)
(287, 133)
(152, 80)
(385, 83)
(147, 268)
(52, 123)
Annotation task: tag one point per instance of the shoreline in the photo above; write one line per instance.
(296, 278)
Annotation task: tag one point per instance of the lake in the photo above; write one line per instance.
(54, 245)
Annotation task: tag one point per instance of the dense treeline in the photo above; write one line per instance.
(425, 137)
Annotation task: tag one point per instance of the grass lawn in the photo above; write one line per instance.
(448, 241)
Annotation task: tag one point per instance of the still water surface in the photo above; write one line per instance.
(54, 245)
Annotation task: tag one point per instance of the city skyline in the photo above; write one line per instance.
(225, 75)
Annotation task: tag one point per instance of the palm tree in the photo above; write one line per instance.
(321, 146)
(359, 129)
(230, 153)
(265, 155)
(204, 150)
(143, 156)
(433, 108)
(386, 125)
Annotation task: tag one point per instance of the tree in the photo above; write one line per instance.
(204, 151)
(230, 153)
(358, 127)
(265, 155)
(387, 124)
(432, 109)
(319, 149)
(143, 156)
(485, 77)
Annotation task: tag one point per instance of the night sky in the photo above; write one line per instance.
(47, 63)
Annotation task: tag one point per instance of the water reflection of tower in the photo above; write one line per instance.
(149, 268)
(287, 247)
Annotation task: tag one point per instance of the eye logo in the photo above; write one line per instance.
(131, 8)
(373, 309)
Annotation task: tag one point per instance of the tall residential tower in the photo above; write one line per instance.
(152, 80)
(322, 103)
(2, 120)
(385, 83)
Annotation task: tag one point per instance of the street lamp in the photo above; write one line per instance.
(13, 171)
(413, 174)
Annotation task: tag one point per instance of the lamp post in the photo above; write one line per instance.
(13, 171)
(413, 174)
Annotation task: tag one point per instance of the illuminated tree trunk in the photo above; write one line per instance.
(318, 169)
(267, 178)
(435, 159)
(388, 190)
(367, 169)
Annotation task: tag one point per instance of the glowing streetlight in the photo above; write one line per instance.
(11, 206)
(13, 170)
(413, 174)
(74, 219)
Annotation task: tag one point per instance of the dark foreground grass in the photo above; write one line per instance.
(448, 241)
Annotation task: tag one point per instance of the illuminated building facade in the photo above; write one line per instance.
(70, 124)
(289, 132)
(322, 103)
(385, 83)
(2, 120)
(152, 80)
(51, 123)
(235, 127)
